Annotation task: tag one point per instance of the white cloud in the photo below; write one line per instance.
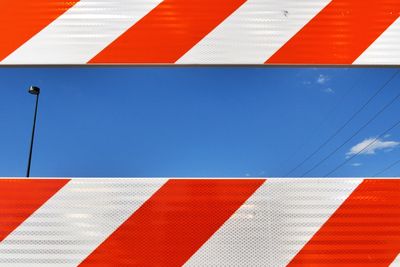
(369, 147)
(322, 79)
(356, 164)
(328, 90)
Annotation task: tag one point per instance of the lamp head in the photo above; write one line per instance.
(34, 90)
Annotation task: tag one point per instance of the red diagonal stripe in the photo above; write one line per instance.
(339, 33)
(19, 198)
(174, 223)
(168, 31)
(364, 231)
(22, 19)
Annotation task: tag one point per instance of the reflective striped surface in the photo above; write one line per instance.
(200, 222)
(200, 32)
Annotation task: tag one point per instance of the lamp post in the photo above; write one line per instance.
(34, 91)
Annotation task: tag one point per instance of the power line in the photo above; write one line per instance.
(365, 148)
(354, 134)
(387, 168)
(345, 124)
(354, 85)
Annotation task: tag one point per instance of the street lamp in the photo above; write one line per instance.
(34, 91)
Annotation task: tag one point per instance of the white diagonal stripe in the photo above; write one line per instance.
(385, 50)
(75, 221)
(254, 32)
(82, 32)
(275, 223)
(396, 262)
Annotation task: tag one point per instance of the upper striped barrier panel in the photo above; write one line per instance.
(200, 222)
(200, 32)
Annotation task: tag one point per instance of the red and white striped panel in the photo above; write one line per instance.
(200, 31)
(200, 222)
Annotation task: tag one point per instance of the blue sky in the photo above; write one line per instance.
(190, 122)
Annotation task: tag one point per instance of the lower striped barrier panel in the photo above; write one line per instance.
(200, 222)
